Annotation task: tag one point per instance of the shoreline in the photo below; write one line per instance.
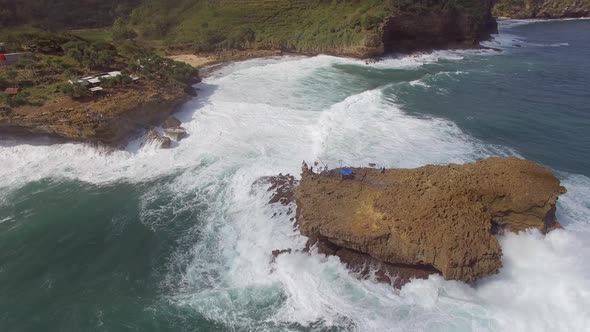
(209, 63)
(542, 20)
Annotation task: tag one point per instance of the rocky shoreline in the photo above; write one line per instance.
(113, 119)
(109, 120)
(409, 223)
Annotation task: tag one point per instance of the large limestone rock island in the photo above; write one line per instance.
(432, 219)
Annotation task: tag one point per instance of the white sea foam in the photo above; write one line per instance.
(418, 59)
(240, 133)
(506, 39)
(419, 83)
(506, 24)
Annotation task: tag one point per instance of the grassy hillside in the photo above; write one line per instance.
(542, 8)
(343, 26)
(283, 24)
(63, 14)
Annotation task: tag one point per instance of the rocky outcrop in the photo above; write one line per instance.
(171, 122)
(108, 119)
(173, 129)
(177, 133)
(449, 27)
(433, 219)
(154, 137)
(542, 8)
(364, 265)
(282, 188)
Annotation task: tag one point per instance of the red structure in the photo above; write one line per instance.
(11, 91)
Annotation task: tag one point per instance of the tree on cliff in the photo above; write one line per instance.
(120, 31)
(96, 55)
(63, 14)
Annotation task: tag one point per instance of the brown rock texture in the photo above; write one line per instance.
(108, 119)
(437, 218)
(162, 142)
(364, 265)
(281, 186)
(171, 122)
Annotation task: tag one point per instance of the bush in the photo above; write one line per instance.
(19, 99)
(369, 22)
(182, 72)
(76, 90)
(239, 38)
(25, 62)
(121, 31)
(120, 80)
(92, 55)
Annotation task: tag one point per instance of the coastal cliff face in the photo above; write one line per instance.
(433, 219)
(449, 27)
(347, 28)
(542, 8)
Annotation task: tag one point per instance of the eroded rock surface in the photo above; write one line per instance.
(108, 119)
(176, 133)
(282, 186)
(435, 218)
(171, 122)
(526, 9)
(154, 137)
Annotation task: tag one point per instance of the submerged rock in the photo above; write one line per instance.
(171, 122)
(365, 266)
(432, 219)
(153, 136)
(176, 133)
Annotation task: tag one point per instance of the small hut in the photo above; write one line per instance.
(11, 91)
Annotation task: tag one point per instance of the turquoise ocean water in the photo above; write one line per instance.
(180, 240)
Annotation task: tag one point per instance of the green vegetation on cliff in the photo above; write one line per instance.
(542, 8)
(336, 26)
(352, 27)
(49, 60)
(280, 24)
(61, 14)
